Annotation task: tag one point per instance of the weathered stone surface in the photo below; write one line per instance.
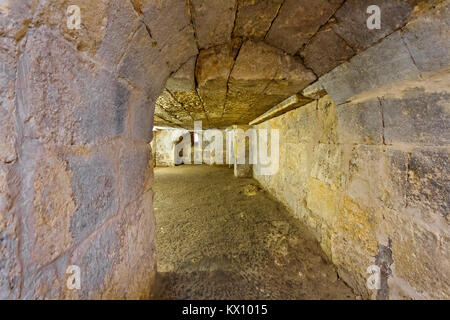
(360, 123)
(298, 21)
(170, 27)
(182, 86)
(212, 73)
(164, 144)
(326, 114)
(326, 163)
(173, 107)
(94, 187)
(421, 259)
(352, 20)
(314, 91)
(10, 275)
(121, 25)
(97, 257)
(143, 64)
(356, 194)
(242, 166)
(47, 283)
(361, 185)
(15, 18)
(143, 109)
(428, 186)
(417, 118)
(254, 18)
(427, 38)
(262, 77)
(322, 200)
(213, 21)
(183, 80)
(94, 18)
(308, 129)
(325, 51)
(95, 106)
(7, 84)
(53, 209)
(354, 243)
(138, 227)
(135, 172)
(395, 179)
(380, 65)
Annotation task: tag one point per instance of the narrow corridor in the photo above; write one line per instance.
(219, 237)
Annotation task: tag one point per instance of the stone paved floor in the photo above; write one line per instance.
(219, 237)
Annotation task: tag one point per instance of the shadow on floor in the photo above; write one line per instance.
(219, 237)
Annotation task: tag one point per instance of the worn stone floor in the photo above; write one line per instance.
(219, 237)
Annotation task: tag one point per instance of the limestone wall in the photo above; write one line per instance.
(366, 167)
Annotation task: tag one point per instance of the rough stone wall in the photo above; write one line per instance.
(75, 125)
(366, 168)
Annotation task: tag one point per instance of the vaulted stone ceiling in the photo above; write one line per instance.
(242, 57)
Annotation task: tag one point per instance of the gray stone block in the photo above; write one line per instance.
(360, 123)
(418, 118)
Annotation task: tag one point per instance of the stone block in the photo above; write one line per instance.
(135, 171)
(427, 38)
(352, 21)
(421, 258)
(308, 125)
(144, 65)
(327, 115)
(94, 187)
(363, 186)
(121, 24)
(213, 21)
(298, 21)
(94, 21)
(254, 18)
(417, 118)
(64, 99)
(183, 80)
(326, 163)
(322, 200)
(325, 51)
(360, 123)
(428, 187)
(10, 267)
(170, 27)
(97, 257)
(16, 18)
(143, 109)
(383, 64)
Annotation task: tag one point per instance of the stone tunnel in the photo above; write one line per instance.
(91, 91)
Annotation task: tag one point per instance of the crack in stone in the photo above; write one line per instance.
(196, 88)
(382, 121)
(273, 20)
(180, 103)
(411, 56)
(236, 11)
(191, 17)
